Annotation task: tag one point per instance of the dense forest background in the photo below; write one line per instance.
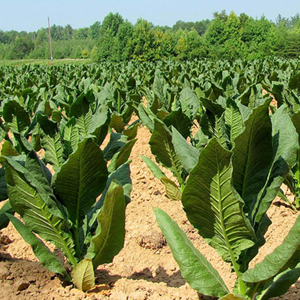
(116, 39)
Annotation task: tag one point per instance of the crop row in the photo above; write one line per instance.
(228, 131)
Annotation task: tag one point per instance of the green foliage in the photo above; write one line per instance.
(226, 199)
(227, 36)
(63, 209)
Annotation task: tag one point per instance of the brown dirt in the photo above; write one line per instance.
(145, 268)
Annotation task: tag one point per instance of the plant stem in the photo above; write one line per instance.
(119, 103)
(76, 239)
(297, 177)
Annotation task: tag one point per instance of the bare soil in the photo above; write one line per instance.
(145, 268)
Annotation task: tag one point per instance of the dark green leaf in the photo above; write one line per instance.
(189, 103)
(41, 251)
(252, 156)
(212, 205)
(187, 154)
(278, 260)
(81, 179)
(121, 156)
(109, 237)
(33, 200)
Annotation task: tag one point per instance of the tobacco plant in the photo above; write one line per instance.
(226, 199)
(80, 209)
(165, 126)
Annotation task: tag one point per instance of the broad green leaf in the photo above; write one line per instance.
(161, 113)
(8, 150)
(212, 205)
(194, 267)
(51, 141)
(278, 260)
(220, 132)
(245, 111)
(157, 172)
(121, 156)
(252, 156)
(285, 148)
(6, 208)
(189, 103)
(41, 173)
(116, 142)
(163, 149)
(296, 121)
(213, 113)
(172, 190)
(79, 107)
(23, 144)
(131, 131)
(32, 200)
(116, 122)
(180, 121)
(147, 117)
(56, 116)
(70, 136)
(158, 88)
(83, 275)
(41, 251)
(81, 179)
(15, 114)
(281, 284)
(83, 123)
(278, 92)
(48, 126)
(122, 175)
(109, 237)
(54, 151)
(99, 124)
(200, 140)
(3, 186)
(187, 154)
(233, 121)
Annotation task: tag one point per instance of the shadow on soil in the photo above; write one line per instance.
(292, 294)
(174, 280)
(103, 277)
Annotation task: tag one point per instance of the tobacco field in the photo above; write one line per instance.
(163, 180)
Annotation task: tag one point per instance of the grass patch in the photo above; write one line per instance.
(23, 62)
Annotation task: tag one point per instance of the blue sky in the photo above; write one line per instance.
(31, 15)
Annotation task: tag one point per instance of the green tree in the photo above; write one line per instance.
(57, 33)
(196, 47)
(94, 30)
(181, 47)
(122, 46)
(68, 32)
(10, 36)
(108, 31)
(164, 44)
(215, 36)
(143, 41)
(81, 33)
(85, 53)
(233, 34)
(259, 37)
(20, 48)
(111, 24)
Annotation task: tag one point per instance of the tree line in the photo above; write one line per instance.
(226, 36)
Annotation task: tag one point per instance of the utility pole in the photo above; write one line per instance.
(50, 43)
